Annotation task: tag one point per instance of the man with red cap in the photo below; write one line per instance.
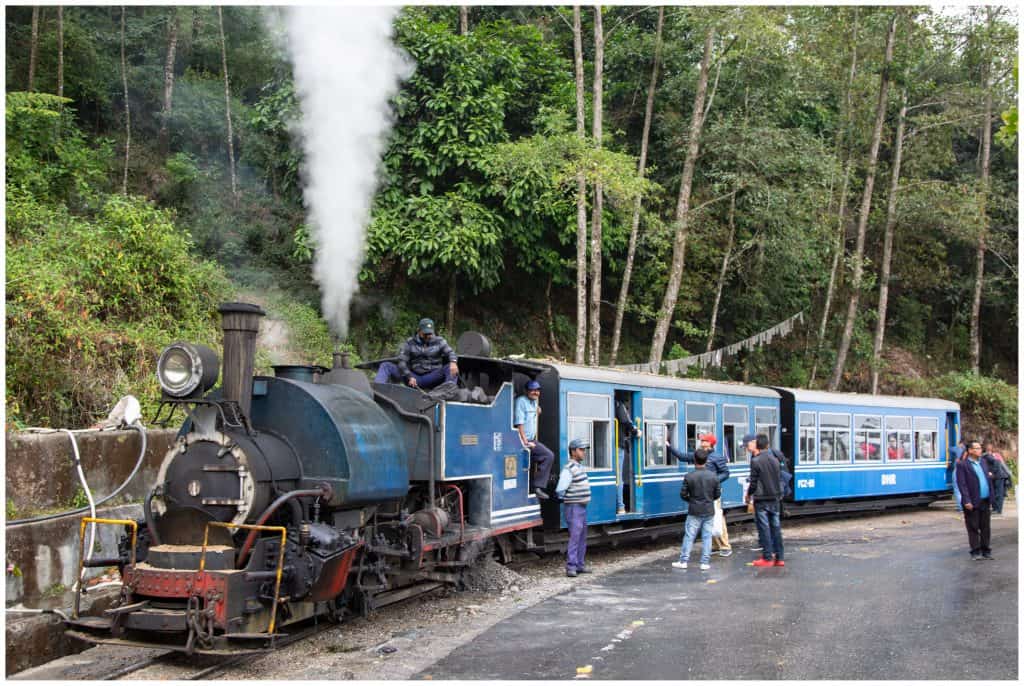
(718, 464)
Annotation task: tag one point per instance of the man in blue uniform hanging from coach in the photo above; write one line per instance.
(574, 490)
(424, 361)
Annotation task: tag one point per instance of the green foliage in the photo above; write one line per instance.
(988, 401)
(11, 510)
(79, 499)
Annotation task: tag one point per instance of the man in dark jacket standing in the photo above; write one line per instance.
(718, 465)
(974, 477)
(424, 361)
(700, 491)
(627, 432)
(763, 489)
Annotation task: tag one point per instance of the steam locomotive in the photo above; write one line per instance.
(317, 493)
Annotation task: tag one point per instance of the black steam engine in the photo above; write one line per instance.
(283, 498)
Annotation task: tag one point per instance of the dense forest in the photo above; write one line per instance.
(608, 185)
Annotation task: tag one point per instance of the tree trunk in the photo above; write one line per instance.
(463, 19)
(60, 51)
(620, 307)
(890, 227)
(227, 105)
(127, 108)
(163, 137)
(979, 259)
(683, 206)
(552, 340)
(450, 321)
(840, 246)
(595, 227)
(865, 210)
(722, 272)
(33, 50)
(581, 198)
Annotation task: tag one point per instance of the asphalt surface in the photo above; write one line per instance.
(892, 596)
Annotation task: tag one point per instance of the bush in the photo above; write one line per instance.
(985, 399)
(91, 302)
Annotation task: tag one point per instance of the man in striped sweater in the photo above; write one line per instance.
(574, 490)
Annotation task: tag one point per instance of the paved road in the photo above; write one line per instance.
(888, 596)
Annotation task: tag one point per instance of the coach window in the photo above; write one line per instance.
(766, 421)
(660, 420)
(590, 419)
(700, 419)
(835, 437)
(808, 450)
(897, 438)
(867, 438)
(926, 437)
(735, 422)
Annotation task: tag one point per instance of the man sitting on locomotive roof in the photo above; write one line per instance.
(421, 361)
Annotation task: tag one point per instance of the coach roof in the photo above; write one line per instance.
(619, 377)
(847, 399)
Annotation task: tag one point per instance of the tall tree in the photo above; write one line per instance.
(172, 45)
(979, 256)
(726, 254)
(581, 196)
(598, 209)
(890, 227)
(127, 108)
(463, 19)
(865, 211)
(33, 50)
(60, 51)
(846, 120)
(683, 205)
(627, 273)
(227, 104)
(453, 279)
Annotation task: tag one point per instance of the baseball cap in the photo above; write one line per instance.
(426, 325)
(532, 385)
(578, 443)
(747, 438)
(710, 438)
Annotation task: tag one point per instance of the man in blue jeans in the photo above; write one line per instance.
(700, 490)
(763, 489)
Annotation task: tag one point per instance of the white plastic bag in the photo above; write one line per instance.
(718, 523)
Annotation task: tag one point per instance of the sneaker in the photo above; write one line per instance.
(704, 566)
(539, 492)
(763, 563)
(987, 556)
(780, 563)
(679, 565)
(725, 552)
(570, 572)
(585, 570)
(975, 556)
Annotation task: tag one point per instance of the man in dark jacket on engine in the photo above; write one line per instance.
(763, 490)
(974, 476)
(700, 490)
(424, 361)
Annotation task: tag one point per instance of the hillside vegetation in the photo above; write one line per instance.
(858, 164)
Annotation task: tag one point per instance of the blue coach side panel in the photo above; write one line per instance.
(851, 445)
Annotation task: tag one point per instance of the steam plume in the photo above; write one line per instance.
(346, 68)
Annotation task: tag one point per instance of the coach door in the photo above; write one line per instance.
(952, 437)
(627, 450)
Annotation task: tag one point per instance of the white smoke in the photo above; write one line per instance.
(347, 68)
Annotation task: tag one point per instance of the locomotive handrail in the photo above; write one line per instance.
(81, 551)
(280, 558)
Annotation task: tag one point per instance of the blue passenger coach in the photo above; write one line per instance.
(579, 402)
(850, 445)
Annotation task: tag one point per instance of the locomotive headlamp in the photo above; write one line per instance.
(185, 368)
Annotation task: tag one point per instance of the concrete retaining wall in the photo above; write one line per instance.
(40, 475)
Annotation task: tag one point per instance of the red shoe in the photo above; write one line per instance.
(763, 563)
(780, 563)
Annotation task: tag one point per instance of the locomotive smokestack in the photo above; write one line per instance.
(240, 323)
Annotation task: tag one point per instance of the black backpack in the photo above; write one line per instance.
(785, 478)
